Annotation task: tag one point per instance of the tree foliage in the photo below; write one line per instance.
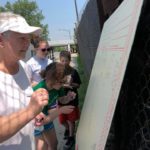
(30, 11)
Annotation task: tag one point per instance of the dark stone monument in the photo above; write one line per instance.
(130, 128)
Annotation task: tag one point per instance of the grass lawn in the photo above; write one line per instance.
(84, 80)
(83, 86)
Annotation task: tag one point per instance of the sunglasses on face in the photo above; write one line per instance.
(45, 49)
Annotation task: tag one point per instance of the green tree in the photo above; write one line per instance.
(30, 11)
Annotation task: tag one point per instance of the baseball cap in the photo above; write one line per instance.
(14, 22)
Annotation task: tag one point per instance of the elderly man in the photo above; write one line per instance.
(18, 104)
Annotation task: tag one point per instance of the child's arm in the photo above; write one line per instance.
(71, 85)
(42, 119)
(53, 113)
(75, 85)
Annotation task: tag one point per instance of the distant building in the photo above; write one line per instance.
(66, 43)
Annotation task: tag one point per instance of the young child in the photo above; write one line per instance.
(72, 84)
(53, 77)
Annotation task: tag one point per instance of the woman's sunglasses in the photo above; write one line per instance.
(45, 49)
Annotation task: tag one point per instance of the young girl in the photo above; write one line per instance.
(72, 84)
(53, 79)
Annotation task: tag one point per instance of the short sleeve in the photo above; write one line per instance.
(76, 77)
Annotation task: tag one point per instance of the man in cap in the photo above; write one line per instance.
(18, 104)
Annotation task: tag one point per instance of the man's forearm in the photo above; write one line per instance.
(11, 124)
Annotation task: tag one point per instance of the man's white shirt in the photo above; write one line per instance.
(15, 93)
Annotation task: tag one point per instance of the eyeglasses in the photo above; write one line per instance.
(46, 49)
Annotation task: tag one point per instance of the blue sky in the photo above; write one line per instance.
(60, 16)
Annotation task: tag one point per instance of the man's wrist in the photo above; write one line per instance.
(31, 113)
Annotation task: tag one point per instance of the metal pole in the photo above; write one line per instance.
(76, 8)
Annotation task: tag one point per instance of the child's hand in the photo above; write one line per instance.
(39, 119)
(66, 99)
(71, 95)
(65, 109)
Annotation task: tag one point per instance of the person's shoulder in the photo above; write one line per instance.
(74, 70)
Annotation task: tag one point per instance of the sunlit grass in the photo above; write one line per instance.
(84, 80)
(83, 86)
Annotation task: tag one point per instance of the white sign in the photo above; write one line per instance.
(107, 76)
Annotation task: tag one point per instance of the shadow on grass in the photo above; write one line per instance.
(83, 87)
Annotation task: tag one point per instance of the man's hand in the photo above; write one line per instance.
(38, 100)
